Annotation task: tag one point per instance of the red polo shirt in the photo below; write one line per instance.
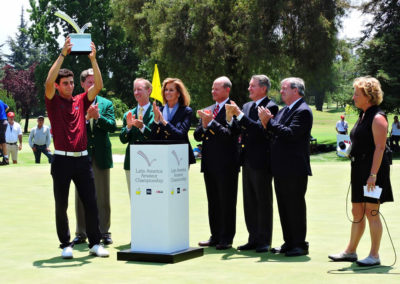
(68, 123)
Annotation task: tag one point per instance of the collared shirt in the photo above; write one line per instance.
(68, 122)
(40, 136)
(12, 132)
(292, 104)
(342, 126)
(221, 105)
(239, 117)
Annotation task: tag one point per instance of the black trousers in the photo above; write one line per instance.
(79, 170)
(221, 190)
(257, 201)
(290, 195)
(39, 150)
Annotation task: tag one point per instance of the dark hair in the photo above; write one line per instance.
(64, 73)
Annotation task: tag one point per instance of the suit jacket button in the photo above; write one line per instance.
(92, 135)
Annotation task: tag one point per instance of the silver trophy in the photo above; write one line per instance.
(80, 41)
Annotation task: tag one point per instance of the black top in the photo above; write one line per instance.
(362, 151)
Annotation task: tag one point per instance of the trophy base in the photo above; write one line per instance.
(175, 257)
(80, 52)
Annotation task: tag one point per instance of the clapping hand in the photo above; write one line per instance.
(265, 115)
(132, 121)
(93, 112)
(231, 110)
(206, 116)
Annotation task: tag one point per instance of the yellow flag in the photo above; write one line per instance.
(156, 93)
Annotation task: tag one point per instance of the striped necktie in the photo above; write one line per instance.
(215, 112)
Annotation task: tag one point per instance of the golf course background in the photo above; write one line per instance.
(30, 253)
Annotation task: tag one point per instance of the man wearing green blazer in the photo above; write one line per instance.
(100, 121)
(137, 121)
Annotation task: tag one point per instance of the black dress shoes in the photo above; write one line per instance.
(263, 248)
(297, 251)
(247, 246)
(223, 246)
(79, 239)
(107, 239)
(209, 243)
(282, 249)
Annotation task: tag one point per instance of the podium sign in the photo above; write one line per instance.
(159, 198)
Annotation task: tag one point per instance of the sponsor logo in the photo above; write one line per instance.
(148, 191)
(138, 192)
(184, 189)
(178, 190)
(178, 160)
(143, 155)
(172, 192)
(159, 191)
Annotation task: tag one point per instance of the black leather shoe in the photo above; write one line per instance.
(282, 249)
(223, 246)
(263, 248)
(79, 239)
(107, 239)
(209, 243)
(297, 251)
(247, 246)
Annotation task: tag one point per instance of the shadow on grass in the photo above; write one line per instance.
(355, 269)
(58, 262)
(232, 253)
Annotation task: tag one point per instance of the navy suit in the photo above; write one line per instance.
(256, 173)
(220, 165)
(290, 157)
(176, 129)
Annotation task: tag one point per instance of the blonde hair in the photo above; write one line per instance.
(184, 98)
(371, 88)
(147, 83)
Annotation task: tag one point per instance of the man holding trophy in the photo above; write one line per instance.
(71, 161)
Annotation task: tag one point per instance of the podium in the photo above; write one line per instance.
(159, 193)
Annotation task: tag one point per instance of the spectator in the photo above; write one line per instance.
(39, 140)
(13, 136)
(342, 126)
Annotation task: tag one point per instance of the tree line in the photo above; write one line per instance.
(199, 40)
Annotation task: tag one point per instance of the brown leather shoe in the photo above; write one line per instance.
(209, 243)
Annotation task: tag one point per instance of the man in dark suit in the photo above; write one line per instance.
(290, 156)
(137, 122)
(220, 165)
(256, 170)
(100, 121)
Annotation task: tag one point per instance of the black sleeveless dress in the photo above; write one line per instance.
(362, 153)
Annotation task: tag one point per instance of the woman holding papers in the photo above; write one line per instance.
(172, 121)
(370, 167)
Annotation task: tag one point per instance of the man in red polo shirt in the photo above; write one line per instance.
(71, 161)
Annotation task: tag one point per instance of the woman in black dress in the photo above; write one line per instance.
(370, 167)
(172, 121)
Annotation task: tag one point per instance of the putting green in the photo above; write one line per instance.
(29, 252)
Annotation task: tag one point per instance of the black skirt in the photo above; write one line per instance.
(360, 171)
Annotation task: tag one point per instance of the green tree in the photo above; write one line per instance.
(380, 52)
(9, 100)
(116, 55)
(200, 40)
(23, 53)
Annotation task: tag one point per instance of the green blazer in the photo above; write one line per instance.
(135, 135)
(98, 143)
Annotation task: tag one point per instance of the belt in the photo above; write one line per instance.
(71, 154)
(15, 143)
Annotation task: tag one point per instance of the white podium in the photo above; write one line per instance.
(159, 204)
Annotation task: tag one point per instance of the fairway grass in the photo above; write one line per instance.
(30, 254)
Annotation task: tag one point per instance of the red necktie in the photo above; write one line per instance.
(215, 112)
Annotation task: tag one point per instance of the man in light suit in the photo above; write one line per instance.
(137, 122)
(100, 121)
(256, 170)
(290, 157)
(220, 165)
